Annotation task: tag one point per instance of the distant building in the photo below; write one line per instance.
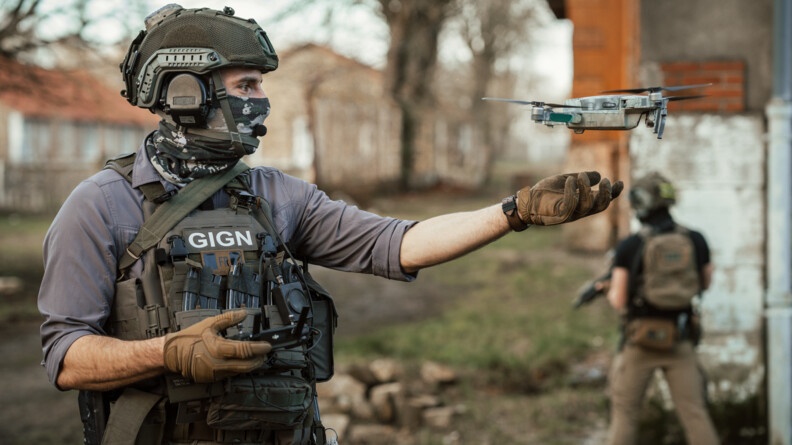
(718, 151)
(56, 128)
(333, 123)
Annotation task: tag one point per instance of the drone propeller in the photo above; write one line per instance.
(656, 89)
(674, 98)
(532, 102)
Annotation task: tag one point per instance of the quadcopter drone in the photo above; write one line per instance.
(610, 111)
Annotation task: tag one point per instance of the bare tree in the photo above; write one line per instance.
(415, 26)
(17, 27)
(492, 30)
(22, 22)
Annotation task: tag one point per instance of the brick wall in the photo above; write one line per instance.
(605, 45)
(727, 93)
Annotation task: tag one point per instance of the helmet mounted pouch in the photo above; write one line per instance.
(185, 100)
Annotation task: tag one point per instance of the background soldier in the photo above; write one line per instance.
(656, 274)
(134, 317)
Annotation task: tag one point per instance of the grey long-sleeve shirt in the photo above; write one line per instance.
(104, 213)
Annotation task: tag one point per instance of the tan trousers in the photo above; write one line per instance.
(630, 374)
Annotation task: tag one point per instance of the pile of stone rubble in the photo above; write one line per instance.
(379, 403)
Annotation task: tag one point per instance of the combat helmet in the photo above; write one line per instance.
(651, 192)
(171, 67)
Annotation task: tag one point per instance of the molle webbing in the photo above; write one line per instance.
(169, 213)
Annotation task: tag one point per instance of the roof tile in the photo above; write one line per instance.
(66, 94)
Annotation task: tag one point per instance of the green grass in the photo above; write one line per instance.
(21, 238)
(512, 314)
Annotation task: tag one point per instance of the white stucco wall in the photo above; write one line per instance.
(717, 163)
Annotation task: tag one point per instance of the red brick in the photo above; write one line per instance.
(696, 79)
(724, 93)
(733, 78)
(723, 65)
(733, 107)
(679, 66)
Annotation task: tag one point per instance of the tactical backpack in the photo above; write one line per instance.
(199, 263)
(670, 278)
(664, 279)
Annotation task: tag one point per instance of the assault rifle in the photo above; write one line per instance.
(589, 291)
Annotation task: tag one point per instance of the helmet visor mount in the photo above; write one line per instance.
(172, 60)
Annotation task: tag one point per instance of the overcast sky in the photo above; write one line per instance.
(356, 32)
(364, 38)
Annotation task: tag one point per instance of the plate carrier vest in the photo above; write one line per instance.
(200, 265)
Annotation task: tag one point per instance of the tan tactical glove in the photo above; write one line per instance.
(564, 198)
(201, 354)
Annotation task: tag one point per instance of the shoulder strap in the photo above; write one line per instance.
(153, 191)
(169, 213)
(634, 275)
(122, 164)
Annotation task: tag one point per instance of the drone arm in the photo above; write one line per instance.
(662, 112)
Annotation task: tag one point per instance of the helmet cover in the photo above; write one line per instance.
(651, 192)
(197, 41)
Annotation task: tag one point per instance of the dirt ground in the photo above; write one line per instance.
(32, 411)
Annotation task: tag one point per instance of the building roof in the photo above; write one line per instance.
(73, 95)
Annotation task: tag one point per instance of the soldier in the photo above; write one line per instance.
(173, 294)
(656, 274)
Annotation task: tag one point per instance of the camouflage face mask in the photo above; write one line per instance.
(181, 157)
(248, 113)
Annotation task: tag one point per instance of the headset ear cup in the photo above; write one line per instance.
(185, 100)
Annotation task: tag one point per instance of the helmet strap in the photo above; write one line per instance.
(235, 137)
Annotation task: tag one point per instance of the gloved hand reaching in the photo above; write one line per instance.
(202, 355)
(564, 198)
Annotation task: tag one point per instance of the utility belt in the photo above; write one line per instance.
(661, 332)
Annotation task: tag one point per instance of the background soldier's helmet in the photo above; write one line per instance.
(651, 192)
(190, 41)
